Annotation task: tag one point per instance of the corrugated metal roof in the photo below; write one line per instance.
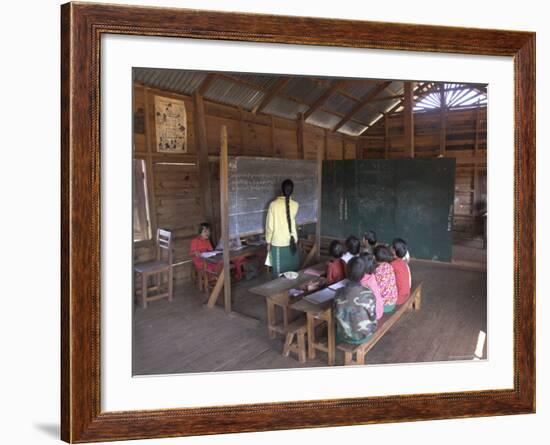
(352, 128)
(284, 108)
(179, 81)
(236, 94)
(323, 119)
(247, 90)
(304, 89)
(339, 104)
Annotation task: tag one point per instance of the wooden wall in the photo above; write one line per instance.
(174, 193)
(458, 133)
(176, 200)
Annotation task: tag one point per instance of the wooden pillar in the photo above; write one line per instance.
(387, 141)
(477, 125)
(241, 130)
(343, 149)
(443, 122)
(202, 157)
(150, 172)
(224, 213)
(475, 195)
(300, 136)
(272, 134)
(408, 117)
(319, 195)
(326, 143)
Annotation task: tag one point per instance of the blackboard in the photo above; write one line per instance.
(406, 198)
(254, 182)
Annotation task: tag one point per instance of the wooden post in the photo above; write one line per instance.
(343, 149)
(224, 213)
(319, 194)
(326, 144)
(387, 142)
(150, 172)
(202, 157)
(300, 136)
(272, 134)
(241, 129)
(475, 194)
(408, 117)
(477, 124)
(443, 122)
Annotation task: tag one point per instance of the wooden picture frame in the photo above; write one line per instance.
(82, 26)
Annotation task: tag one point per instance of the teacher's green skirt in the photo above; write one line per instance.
(283, 260)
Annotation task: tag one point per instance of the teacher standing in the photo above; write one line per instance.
(280, 231)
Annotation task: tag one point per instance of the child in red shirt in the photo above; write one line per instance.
(201, 244)
(336, 268)
(401, 270)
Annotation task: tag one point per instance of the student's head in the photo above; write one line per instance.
(355, 269)
(383, 254)
(353, 245)
(287, 187)
(370, 262)
(336, 249)
(370, 238)
(399, 247)
(204, 230)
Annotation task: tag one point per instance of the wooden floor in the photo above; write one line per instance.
(185, 336)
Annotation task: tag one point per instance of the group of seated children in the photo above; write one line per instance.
(379, 278)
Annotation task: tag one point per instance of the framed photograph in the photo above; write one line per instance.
(277, 222)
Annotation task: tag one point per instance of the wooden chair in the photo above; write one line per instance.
(156, 269)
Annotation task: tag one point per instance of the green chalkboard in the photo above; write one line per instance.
(407, 198)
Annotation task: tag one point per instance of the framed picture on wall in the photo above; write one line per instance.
(296, 201)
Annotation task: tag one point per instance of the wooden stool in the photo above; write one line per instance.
(295, 340)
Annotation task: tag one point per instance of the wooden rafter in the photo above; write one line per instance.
(279, 85)
(375, 92)
(324, 97)
(205, 84)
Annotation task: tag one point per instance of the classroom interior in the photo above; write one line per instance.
(197, 322)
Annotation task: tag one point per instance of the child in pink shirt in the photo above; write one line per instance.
(369, 280)
(385, 277)
(401, 270)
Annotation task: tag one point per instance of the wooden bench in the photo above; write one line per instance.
(295, 340)
(355, 354)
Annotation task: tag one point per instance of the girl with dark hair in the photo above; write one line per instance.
(369, 241)
(280, 231)
(369, 281)
(336, 267)
(385, 277)
(353, 248)
(401, 270)
(200, 244)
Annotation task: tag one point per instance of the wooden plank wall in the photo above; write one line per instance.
(174, 193)
(175, 198)
(460, 141)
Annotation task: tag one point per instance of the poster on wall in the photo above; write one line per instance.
(170, 125)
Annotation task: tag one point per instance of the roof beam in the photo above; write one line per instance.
(375, 92)
(279, 85)
(205, 84)
(324, 97)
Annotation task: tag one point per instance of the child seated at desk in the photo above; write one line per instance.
(354, 307)
(385, 277)
(369, 281)
(401, 270)
(353, 246)
(336, 267)
(200, 244)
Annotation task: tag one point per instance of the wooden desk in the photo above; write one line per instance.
(218, 259)
(276, 295)
(316, 312)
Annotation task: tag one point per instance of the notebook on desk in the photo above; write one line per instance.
(320, 296)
